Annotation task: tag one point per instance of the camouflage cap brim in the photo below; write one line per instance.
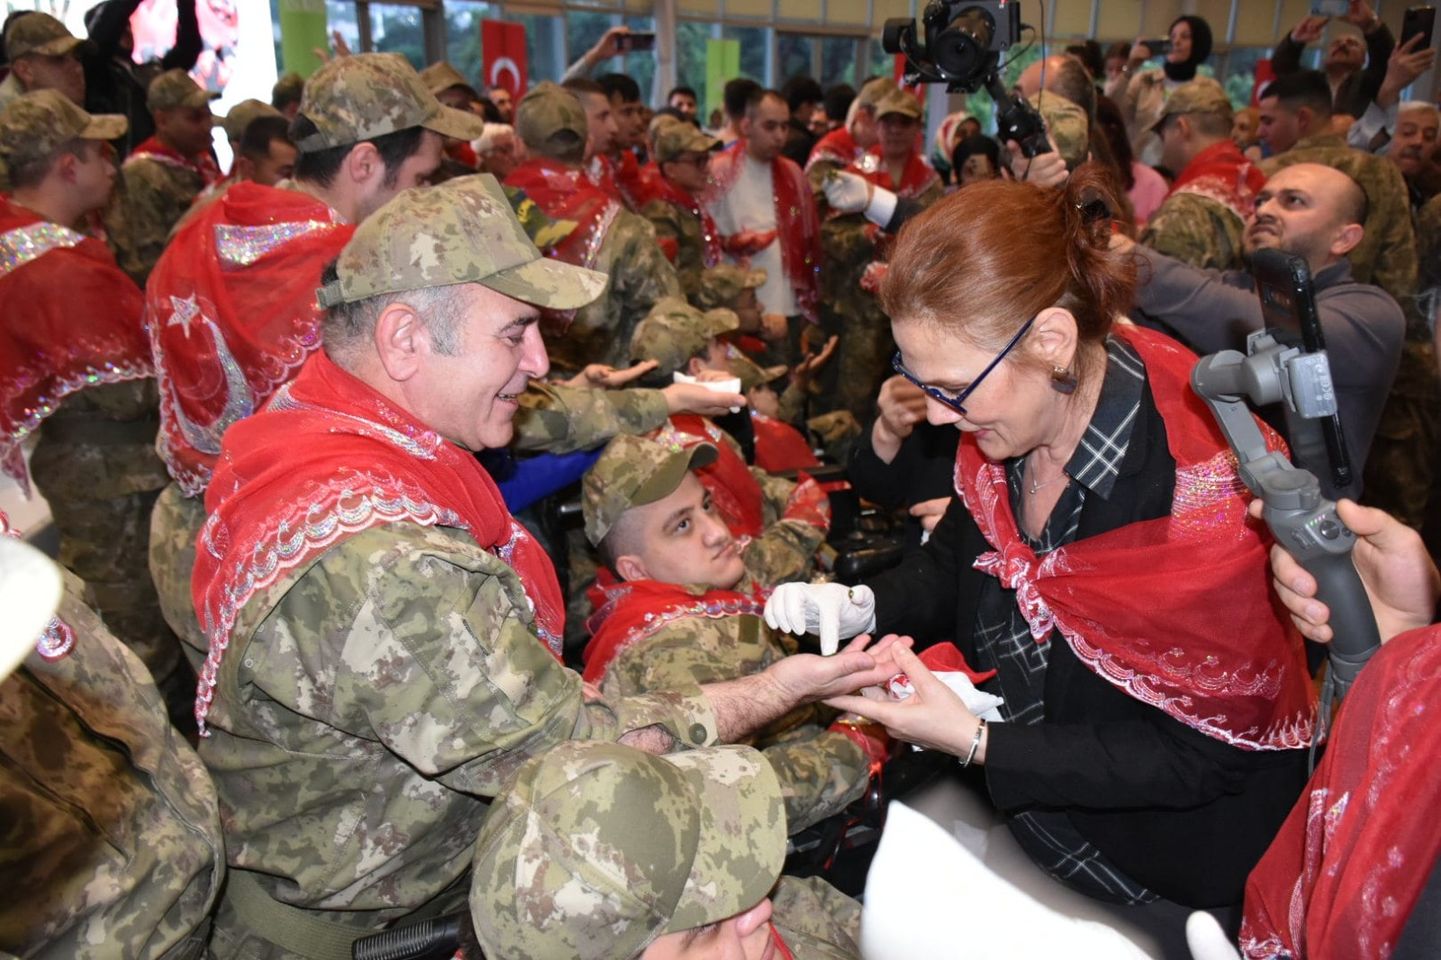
(742, 835)
(550, 284)
(60, 46)
(105, 126)
(668, 475)
(456, 124)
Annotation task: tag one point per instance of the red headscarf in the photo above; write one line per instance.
(232, 315)
(203, 163)
(1222, 173)
(798, 224)
(1350, 862)
(1199, 634)
(631, 610)
(69, 319)
(328, 458)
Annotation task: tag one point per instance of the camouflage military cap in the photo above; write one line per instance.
(722, 284)
(751, 373)
(674, 137)
(1201, 95)
(901, 102)
(368, 95)
(441, 76)
(175, 89)
(598, 849)
(39, 34)
(546, 110)
(874, 91)
(632, 472)
(463, 231)
(674, 331)
(243, 113)
(1067, 125)
(34, 125)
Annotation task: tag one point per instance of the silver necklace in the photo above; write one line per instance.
(1032, 486)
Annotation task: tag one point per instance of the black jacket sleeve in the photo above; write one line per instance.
(1287, 58)
(187, 39)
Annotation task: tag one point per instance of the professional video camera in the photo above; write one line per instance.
(962, 49)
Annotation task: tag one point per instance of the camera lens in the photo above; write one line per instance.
(961, 48)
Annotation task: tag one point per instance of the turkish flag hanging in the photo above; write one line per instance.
(502, 47)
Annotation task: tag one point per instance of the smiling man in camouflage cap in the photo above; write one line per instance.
(671, 201)
(359, 567)
(678, 862)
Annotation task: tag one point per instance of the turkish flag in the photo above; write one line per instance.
(502, 47)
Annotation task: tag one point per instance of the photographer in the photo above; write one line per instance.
(1077, 564)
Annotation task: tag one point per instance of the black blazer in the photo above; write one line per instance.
(1180, 812)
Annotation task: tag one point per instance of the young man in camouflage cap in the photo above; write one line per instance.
(846, 145)
(75, 366)
(671, 201)
(782, 523)
(685, 856)
(163, 175)
(607, 237)
(43, 56)
(383, 636)
(1204, 215)
(678, 607)
(231, 303)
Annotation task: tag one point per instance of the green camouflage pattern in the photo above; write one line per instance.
(558, 419)
(1386, 255)
(640, 276)
(242, 114)
(441, 76)
(632, 472)
(1201, 95)
(836, 431)
(548, 109)
(1067, 124)
(820, 772)
(174, 90)
(673, 222)
(1197, 230)
(543, 231)
(111, 831)
(674, 331)
(34, 125)
(40, 34)
(175, 523)
(786, 549)
(150, 198)
(368, 95)
(674, 137)
(862, 362)
(100, 497)
(463, 231)
(722, 285)
(369, 706)
(598, 849)
(1400, 475)
(901, 102)
(816, 920)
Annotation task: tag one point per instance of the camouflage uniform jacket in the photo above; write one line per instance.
(1197, 230)
(816, 920)
(674, 223)
(1386, 255)
(640, 275)
(149, 201)
(820, 772)
(175, 523)
(369, 706)
(560, 419)
(111, 830)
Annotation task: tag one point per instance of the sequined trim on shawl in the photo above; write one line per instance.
(242, 246)
(23, 244)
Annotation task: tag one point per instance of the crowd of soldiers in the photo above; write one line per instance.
(305, 429)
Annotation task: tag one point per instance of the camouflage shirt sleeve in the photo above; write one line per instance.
(816, 920)
(784, 551)
(1195, 230)
(560, 419)
(640, 274)
(820, 772)
(149, 199)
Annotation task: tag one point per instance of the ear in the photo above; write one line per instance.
(745, 125)
(24, 71)
(1183, 124)
(244, 167)
(401, 341)
(695, 366)
(631, 567)
(1055, 336)
(362, 163)
(1347, 239)
(65, 167)
(1304, 118)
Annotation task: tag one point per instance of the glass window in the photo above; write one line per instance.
(544, 45)
(1240, 67)
(398, 29)
(753, 51)
(339, 15)
(794, 54)
(838, 60)
(462, 35)
(641, 65)
(690, 46)
(583, 29)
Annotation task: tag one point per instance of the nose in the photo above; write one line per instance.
(938, 414)
(534, 361)
(714, 533)
(754, 918)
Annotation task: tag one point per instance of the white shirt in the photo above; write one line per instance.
(750, 204)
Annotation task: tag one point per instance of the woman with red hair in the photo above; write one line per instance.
(1098, 558)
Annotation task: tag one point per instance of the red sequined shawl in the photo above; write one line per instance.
(567, 193)
(837, 147)
(202, 164)
(916, 180)
(1223, 174)
(231, 312)
(1177, 612)
(659, 188)
(69, 319)
(327, 458)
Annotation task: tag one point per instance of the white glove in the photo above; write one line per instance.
(832, 610)
(847, 193)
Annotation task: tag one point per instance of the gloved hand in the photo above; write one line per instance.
(849, 193)
(831, 610)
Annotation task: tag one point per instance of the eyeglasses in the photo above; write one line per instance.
(958, 402)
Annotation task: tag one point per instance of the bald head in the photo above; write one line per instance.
(1064, 74)
(1314, 211)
